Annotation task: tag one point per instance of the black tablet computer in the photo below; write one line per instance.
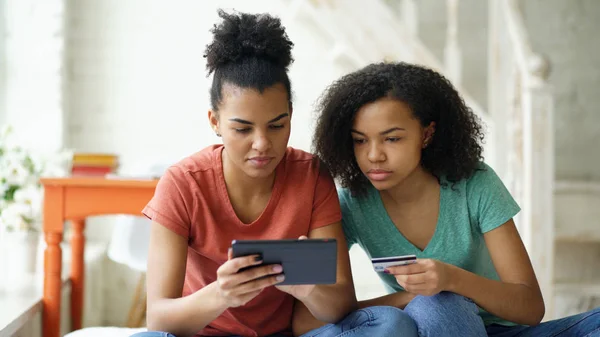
(311, 261)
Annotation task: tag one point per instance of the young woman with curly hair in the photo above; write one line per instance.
(253, 186)
(407, 152)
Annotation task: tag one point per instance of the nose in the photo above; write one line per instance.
(261, 142)
(376, 153)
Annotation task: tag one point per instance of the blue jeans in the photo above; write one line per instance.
(445, 314)
(586, 324)
(166, 334)
(448, 314)
(373, 321)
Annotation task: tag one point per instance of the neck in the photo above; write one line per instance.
(244, 184)
(416, 186)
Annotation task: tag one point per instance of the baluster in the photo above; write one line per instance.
(452, 53)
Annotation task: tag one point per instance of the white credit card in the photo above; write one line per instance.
(380, 263)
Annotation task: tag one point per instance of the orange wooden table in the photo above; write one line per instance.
(75, 199)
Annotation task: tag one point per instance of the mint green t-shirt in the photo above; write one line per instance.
(468, 209)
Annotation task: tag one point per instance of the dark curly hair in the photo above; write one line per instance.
(249, 51)
(455, 150)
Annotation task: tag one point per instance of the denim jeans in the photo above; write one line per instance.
(445, 314)
(372, 321)
(586, 324)
(166, 334)
(448, 314)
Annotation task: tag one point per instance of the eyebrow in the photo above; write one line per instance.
(243, 121)
(381, 133)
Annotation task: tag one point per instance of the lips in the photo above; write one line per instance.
(378, 174)
(260, 161)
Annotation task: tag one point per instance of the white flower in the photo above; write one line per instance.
(20, 191)
(16, 174)
(32, 196)
(15, 215)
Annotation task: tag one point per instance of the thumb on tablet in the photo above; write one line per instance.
(302, 237)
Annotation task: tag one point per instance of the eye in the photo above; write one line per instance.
(275, 126)
(393, 139)
(242, 130)
(359, 141)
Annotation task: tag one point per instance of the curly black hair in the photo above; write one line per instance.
(456, 148)
(249, 51)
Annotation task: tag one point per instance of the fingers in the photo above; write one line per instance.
(303, 237)
(251, 281)
(259, 284)
(229, 254)
(415, 268)
(233, 265)
(412, 279)
(256, 272)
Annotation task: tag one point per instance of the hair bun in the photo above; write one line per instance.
(240, 36)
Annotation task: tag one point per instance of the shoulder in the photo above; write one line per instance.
(298, 162)
(353, 205)
(490, 202)
(482, 178)
(295, 156)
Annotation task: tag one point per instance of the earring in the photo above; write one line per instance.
(218, 134)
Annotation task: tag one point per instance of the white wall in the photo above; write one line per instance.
(33, 55)
(136, 83)
(2, 63)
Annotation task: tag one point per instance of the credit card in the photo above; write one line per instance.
(380, 263)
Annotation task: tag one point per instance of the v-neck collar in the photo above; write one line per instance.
(273, 199)
(394, 232)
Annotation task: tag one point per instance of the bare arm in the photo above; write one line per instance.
(167, 310)
(185, 316)
(517, 297)
(327, 302)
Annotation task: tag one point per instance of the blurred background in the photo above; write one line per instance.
(126, 80)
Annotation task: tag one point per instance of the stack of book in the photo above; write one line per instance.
(94, 164)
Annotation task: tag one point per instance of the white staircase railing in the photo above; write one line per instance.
(521, 106)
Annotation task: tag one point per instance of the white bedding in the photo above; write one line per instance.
(105, 332)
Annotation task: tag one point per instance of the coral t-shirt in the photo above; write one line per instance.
(191, 200)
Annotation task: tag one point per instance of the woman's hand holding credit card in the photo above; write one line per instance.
(426, 277)
(381, 263)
